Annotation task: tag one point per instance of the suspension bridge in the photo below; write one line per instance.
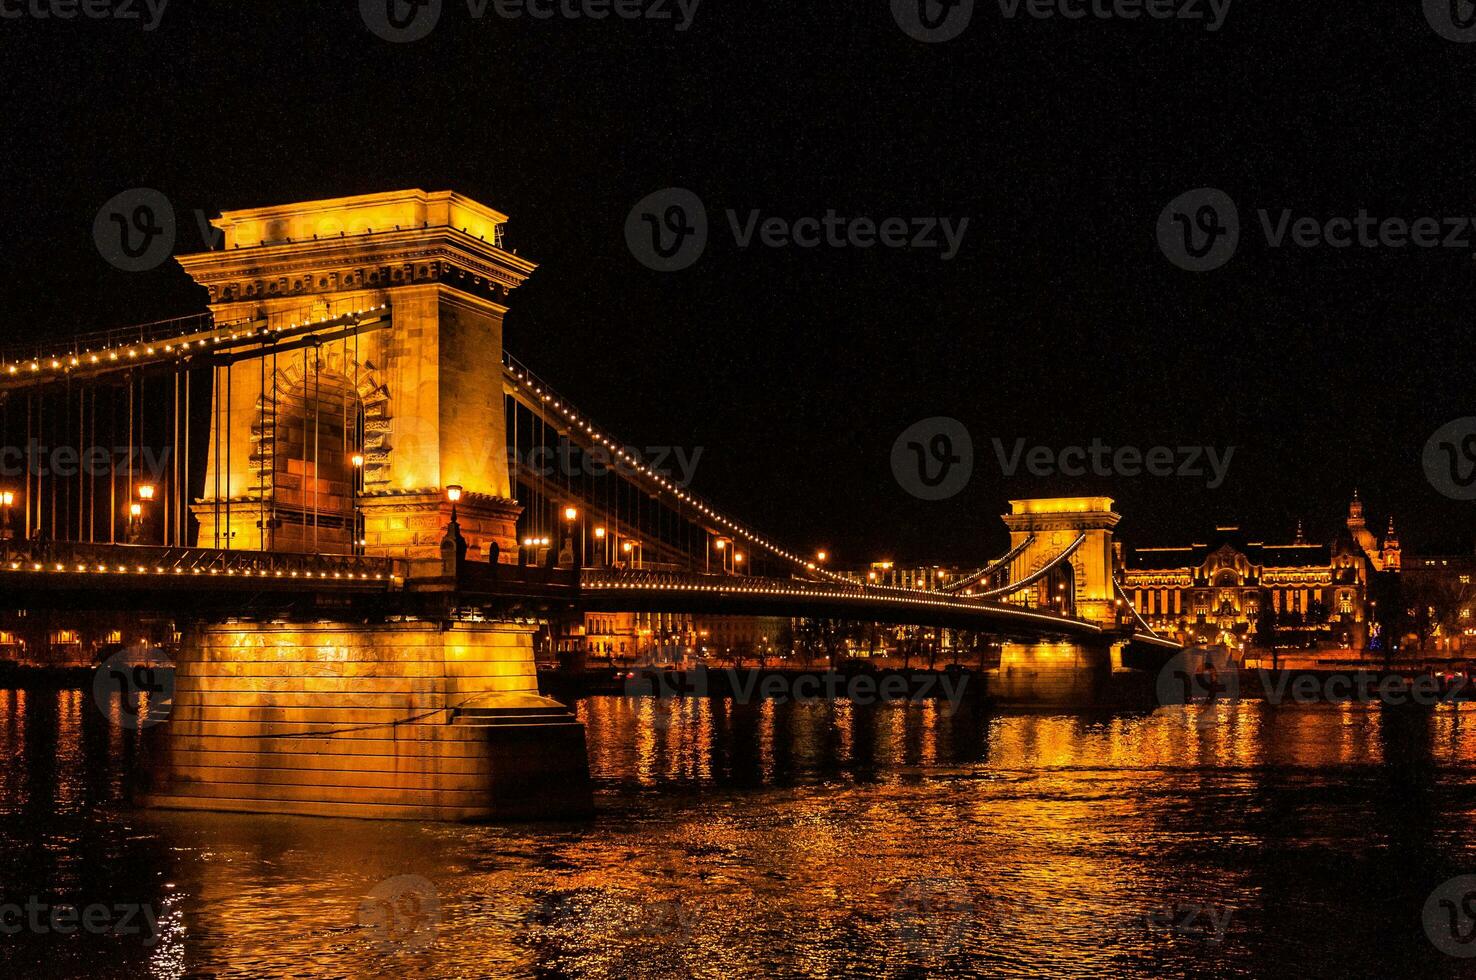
(359, 508)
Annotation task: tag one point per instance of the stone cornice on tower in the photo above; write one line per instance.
(1061, 514)
(372, 241)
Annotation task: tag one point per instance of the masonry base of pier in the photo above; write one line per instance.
(1055, 674)
(413, 721)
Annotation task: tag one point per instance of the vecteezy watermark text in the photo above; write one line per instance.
(1200, 230)
(668, 231)
(943, 20)
(750, 686)
(676, 463)
(1201, 680)
(1192, 921)
(41, 918)
(1100, 459)
(38, 459)
(127, 10)
(411, 20)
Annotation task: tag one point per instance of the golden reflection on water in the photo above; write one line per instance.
(15, 747)
(820, 839)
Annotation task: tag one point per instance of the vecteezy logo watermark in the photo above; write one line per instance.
(142, 682)
(1192, 921)
(136, 230)
(402, 21)
(669, 688)
(933, 459)
(932, 916)
(933, 21)
(1198, 681)
(1450, 917)
(403, 912)
(664, 919)
(90, 9)
(668, 231)
(943, 20)
(1200, 230)
(1454, 20)
(42, 919)
(1450, 459)
(1100, 459)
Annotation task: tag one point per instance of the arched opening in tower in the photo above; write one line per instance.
(315, 479)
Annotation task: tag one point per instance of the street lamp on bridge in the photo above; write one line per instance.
(7, 501)
(145, 493)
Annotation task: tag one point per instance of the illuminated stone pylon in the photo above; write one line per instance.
(1063, 674)
(1051, 524)
(420, 402)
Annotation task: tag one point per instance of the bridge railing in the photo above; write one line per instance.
(101, 340)
(65, 557)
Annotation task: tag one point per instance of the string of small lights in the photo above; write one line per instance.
(1036, 575)
(635, 582)
(968, 580)
(595, 435)
(158, 350)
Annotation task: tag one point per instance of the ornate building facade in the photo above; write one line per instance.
(1231, 589)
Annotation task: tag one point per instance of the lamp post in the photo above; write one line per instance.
(359, 540)
(453, 494)
(599, 534)
(137, 511)
(453, 543)
(571, 514)
(7, 501)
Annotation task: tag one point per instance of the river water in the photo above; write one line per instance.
(800, 840)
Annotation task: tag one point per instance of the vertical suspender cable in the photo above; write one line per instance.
(317, 408)
(215, 456)
(228, 435)
(261, 523)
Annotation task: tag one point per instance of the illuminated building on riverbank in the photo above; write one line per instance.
(1230, 587)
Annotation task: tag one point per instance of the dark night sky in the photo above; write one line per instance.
(1059, 321)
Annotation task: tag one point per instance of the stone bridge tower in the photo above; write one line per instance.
(356, 436)
(1054, 523)
(415, 401)
(1063, 673)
